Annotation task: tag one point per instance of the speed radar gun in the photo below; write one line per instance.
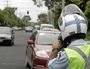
(72, 16)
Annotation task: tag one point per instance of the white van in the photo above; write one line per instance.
(46, 26)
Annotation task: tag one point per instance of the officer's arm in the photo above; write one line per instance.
(56, 47)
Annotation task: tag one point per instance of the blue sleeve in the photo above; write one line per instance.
(61, 62)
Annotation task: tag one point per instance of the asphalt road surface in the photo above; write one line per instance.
(13, 57)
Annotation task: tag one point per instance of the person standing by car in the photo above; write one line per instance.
(73, 32)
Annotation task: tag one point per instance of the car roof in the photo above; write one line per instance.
(41, 31)
(6, 27)
(46, 25)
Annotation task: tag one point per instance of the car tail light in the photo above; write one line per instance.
(30, 42)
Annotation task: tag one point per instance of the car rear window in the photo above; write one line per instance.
(5, 30)
(47, 38)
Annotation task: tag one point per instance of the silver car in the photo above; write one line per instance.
(6, 36)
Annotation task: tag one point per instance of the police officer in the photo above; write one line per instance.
(73, 32)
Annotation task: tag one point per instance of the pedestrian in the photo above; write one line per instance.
(73, 33)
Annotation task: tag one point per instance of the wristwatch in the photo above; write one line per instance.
(56, 49)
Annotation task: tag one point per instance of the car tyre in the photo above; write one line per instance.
(11, 43)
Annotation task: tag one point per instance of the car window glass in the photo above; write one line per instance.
(5, 30)
(47, 27)
(47, 38)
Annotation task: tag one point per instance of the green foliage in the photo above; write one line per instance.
(26, 18)
(57, 14)
(43, 18)
(42, 15)
(87, 13)
(1, 17)
(34, 1)
(83, 4)
(8, 18)
(78, 2)
(88, 36)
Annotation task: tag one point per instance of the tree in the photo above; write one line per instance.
(8, 18)
(43, 18)
(87, 13)
(26, 18)
(1, 18)
(84, 5)
(57, 12)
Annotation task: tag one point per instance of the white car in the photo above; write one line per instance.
(46, 26)
(28, 29)
(7, 35)
(15, 28)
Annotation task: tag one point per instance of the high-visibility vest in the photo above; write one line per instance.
(76, 61)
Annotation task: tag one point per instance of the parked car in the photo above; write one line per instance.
(28, 29)
(50, 29)
(7, 35)
(37, 27)
(46, 26)
(15, 28)
(37, 52)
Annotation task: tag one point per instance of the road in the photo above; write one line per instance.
(13, 57)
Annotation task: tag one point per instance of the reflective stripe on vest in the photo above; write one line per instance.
(76, 61)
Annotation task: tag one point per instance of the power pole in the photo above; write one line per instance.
(7, 3)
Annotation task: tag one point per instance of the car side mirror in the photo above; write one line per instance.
(30, 42)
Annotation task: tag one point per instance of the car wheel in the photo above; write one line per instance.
(10, 43)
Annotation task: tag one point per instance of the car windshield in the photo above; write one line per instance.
(47, 27)
(4, 31)
(47, 38)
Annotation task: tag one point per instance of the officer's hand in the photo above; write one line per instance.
(56, 44)
(53, 55)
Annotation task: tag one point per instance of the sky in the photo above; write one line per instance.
(23, 6)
